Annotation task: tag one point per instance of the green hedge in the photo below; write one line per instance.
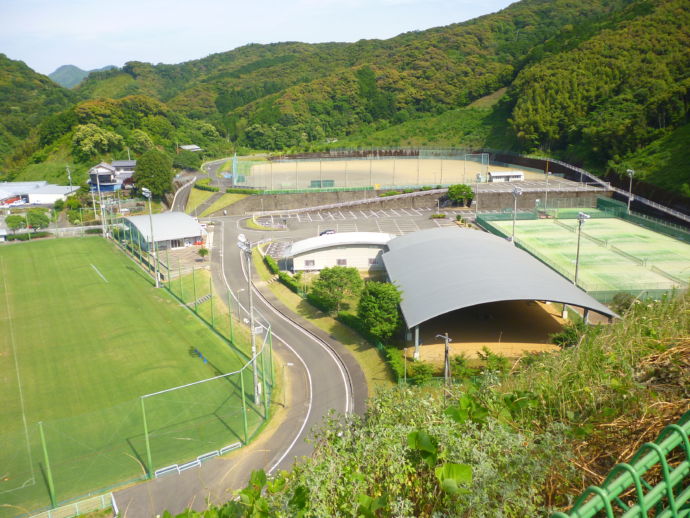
(239, 190)
(289, 281)
(206, 187)
(271, 264)
(353, 321)
(27, 236)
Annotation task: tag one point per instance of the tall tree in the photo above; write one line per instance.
(15, 222)
(334, 285)
(37, 219)
(154, 171)
(378, 308)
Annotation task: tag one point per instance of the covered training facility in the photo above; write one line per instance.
(361, 250)
(442, 270)
(170, 230)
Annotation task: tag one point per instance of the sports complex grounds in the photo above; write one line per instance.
(106, 380)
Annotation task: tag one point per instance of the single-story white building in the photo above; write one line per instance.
(361, 250)
(170, 230)
(33, 193)
(506, 176)
(190, 147)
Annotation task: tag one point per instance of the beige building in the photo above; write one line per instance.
(361, 250)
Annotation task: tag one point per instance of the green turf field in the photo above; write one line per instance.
(615, 255)
(84, 335)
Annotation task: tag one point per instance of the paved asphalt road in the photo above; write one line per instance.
(320, 376)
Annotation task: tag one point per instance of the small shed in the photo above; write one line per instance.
(506, 176)
(190, 147)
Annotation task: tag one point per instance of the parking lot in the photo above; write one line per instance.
(392, 221)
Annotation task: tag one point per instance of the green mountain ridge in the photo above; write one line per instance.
(592, 82)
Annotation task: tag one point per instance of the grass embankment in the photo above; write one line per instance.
(223, 202)
(376, 371)
(196, 198)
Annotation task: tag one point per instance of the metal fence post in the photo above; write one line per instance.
(244, 408)
(49, 474)
(194, 288)
(263, 380)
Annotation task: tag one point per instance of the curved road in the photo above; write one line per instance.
(318, 376)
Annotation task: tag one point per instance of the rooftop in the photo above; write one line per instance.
(446, 269)
(167, 226)
(339, 239)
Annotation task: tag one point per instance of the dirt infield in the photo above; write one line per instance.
(509, 328)
(380, 173)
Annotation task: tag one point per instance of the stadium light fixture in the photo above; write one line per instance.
(630, 173)
(147, 194)
(246, 247)
(581, 218)
(516, 192)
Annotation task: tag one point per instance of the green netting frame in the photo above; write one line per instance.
(669, 498)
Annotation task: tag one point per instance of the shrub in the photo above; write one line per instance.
(239, 190)
(440, 215)
(570, 335)
(271, 264)
(389, 193)
(420, 373)
(396, 360)
(27, 236)
(289, 281)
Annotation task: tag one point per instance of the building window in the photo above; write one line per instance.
(372, 261)
(309, 262)
(341, 262)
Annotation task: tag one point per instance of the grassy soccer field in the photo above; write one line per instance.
(84, 335)
(615, 255)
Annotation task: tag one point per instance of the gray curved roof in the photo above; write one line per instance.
(445, 269)
(339, 239)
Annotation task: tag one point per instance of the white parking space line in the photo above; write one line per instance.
(395, 213)
(363, 214)
(352, 214)
(373, 214)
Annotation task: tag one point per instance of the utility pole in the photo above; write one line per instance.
(516, 192)
(246, 247)
(630, 173)
(581, 218)
(446, 360)
(152, 252)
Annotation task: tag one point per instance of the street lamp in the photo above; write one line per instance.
(245, 246)
(446, 361)
(147, 193)
(581, 218)
(630, 173)
(516, 192)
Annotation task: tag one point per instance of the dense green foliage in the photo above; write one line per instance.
(378, 309)
(333, 286)
(15, 222)
(460, 193)
(154, 172)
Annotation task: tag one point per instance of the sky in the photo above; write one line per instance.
(94, 33)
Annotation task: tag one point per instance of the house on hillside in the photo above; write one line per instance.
(111, 177)
(190, 147)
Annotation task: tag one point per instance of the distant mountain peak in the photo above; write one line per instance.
(70, 76)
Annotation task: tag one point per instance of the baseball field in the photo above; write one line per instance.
(84, 336)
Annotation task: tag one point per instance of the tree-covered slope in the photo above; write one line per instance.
(26, 99)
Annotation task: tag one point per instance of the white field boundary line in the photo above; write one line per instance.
(19, 379)
(304, 364)
(98, 272)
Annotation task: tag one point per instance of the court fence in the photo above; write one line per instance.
(57, 462)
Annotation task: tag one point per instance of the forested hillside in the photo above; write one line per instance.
(70, 75)
(26, 98)
(595, 82)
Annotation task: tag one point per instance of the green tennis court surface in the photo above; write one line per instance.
(84, 335)
(615, 255)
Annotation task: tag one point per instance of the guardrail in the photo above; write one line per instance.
(670, 497)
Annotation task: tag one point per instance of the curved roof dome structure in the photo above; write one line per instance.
(446, 269)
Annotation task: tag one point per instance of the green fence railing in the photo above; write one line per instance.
(668, 498)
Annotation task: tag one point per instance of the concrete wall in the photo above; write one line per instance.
(487, 201)
(356, 257)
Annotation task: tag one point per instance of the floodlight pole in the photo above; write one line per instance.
(246, 247)
(630, 173)
(147, 193)
(546, 196)
(581, 217)
(446, 361)
(516, 192)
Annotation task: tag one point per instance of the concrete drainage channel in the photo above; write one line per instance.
(179, 468)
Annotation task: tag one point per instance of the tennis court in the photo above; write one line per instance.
(615, 255)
